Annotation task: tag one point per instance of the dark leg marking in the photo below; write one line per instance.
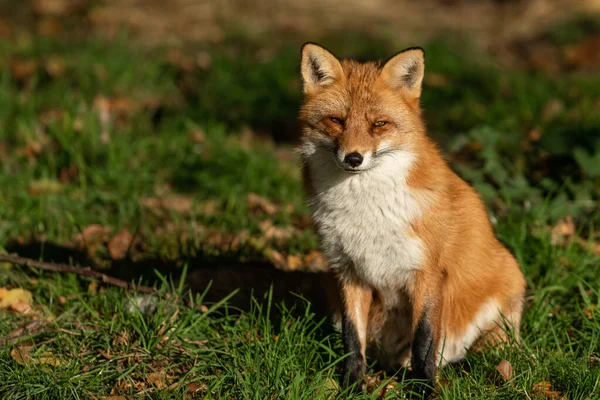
(423, 354)
(354, 366)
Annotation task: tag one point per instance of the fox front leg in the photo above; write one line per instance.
(356, 305)
(424, 347)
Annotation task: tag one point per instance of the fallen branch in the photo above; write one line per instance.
(84, 271)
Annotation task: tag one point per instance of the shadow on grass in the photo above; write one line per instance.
(224, 275)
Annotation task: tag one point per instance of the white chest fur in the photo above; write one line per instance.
(364, 219)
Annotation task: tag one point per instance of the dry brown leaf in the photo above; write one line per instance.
(256, 202)
(585, 54)
(590, 310)
(22, 354)
(240, 239)
(553, 108)
(278, 233)
(563, 231)
(195, 387)
(534, 135)
(17, 300)
(543, 389)
(49, 359)
(120, 244)
(505, 369)
(22, 70)
(156, 380)
(105, 354)
(275, 257)
(197, 136)
(294, 262)
(173, 202)
(92, 233)
(592, 247)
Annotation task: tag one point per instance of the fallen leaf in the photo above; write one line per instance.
(534, 135)
(563, 231)
(585, 54)
(156, 380)
(256, 202)
(195, 387)
(271, 231)
(330, 388)
(275, 257)
(552, 109)
(543, 389)
(197, 136)
(94, 232)
(505, 369)
(174, 202)
(294, 262)
(18, 300)
(22, 354)
(22, 70)
(105, 354)
(590, 310)
(592, 247)
(120, 244)
(49, 359)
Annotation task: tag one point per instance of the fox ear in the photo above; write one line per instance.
(405, 70)
(319, 67)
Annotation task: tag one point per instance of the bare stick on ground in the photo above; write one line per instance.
(84, 271)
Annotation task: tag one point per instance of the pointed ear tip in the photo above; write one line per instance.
(308, 45)
(416, 49)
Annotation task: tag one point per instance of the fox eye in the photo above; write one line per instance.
(378, 124)
(336, 120)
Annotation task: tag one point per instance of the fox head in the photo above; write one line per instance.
(360, 114)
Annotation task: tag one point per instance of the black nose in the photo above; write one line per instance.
(353, 159)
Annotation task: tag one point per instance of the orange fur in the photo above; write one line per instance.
(463, 265)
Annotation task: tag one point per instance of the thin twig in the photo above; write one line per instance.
(84, 271)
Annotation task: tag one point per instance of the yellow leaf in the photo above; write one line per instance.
(22, 354)
(50, 359)
(18, 300)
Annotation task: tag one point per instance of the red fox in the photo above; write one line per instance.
(421, 274)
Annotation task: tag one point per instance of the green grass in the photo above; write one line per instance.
(69, 162)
